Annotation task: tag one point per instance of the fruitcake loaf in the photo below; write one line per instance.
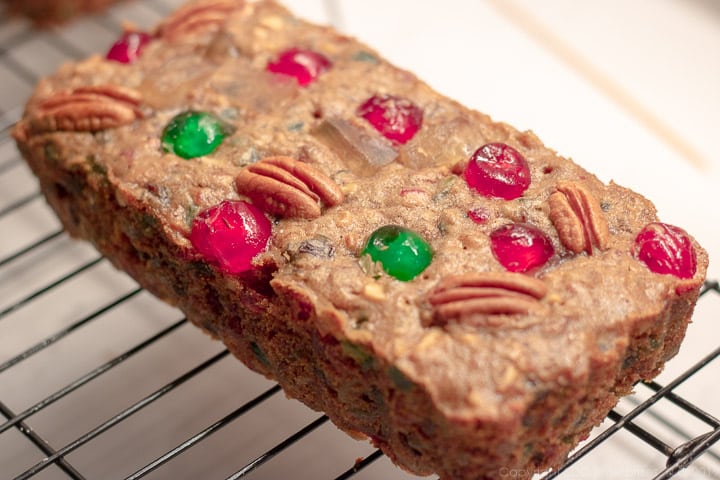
(48, 12)
(436, 281)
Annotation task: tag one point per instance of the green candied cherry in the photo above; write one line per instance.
(193, 134)
(402, 253)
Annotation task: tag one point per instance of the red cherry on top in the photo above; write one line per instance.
(396, 118)
(304, 65)
(498, 170)
(666, 249)
(128, 47)
(231, 234)
(520, 247)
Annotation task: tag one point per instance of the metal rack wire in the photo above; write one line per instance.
(39, 267)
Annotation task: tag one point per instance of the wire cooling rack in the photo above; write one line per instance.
(100, 380)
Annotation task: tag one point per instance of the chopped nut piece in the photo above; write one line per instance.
(374, 291)
(273, 22)
(350, 188)
(508, 378)
(431, 338)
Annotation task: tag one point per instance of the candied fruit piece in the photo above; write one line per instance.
(479, 215)
(303, 65)
(402, 253)
(128, 47)
(396, 118)
(362, 151)
(666, 249)
(520, 247)
(498, 170)
(193, 134)
(230, 234)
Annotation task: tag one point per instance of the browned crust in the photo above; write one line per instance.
(51, 12)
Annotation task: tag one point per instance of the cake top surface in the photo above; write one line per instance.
(421, 232)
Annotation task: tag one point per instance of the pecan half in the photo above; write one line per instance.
(286, 187)
(485, 294)
(578, 218)
(197, 17)
(86, 109)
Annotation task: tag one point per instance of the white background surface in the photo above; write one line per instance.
(628, 89)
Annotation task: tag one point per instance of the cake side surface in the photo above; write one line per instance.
(50, 12)
(495, 352)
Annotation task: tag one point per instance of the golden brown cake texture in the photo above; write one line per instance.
(434, 280)
(48, 12)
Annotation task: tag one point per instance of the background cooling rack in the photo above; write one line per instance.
(98, 380)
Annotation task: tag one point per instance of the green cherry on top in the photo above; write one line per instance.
(402, 253)
(193, 134)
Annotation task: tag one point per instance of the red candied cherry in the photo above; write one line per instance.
(128, 47)
(479, 215)
(520, 247)
(498, 170)
(231, 234)
(304, 65)
(396, 118)
(666, 249)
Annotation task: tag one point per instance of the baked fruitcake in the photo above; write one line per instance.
(434, 280)
(47, 12)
